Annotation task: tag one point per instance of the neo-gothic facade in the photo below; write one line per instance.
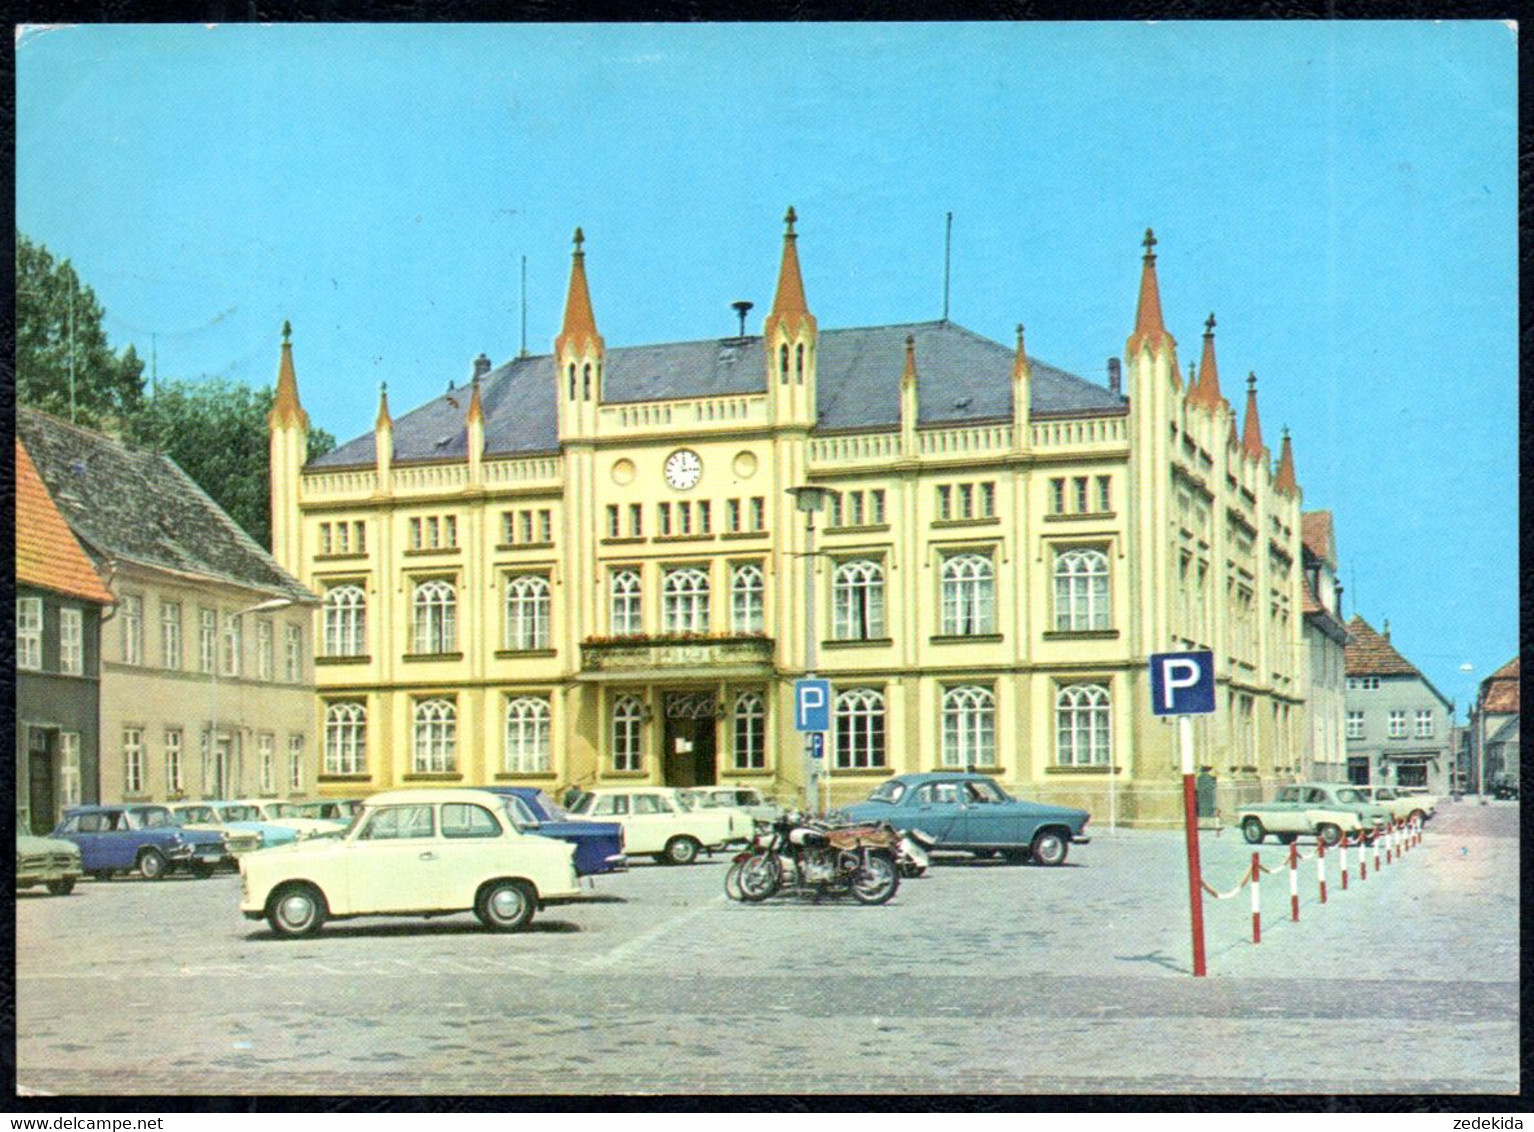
(587, 567)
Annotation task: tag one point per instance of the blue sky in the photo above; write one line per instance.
(1342, 195)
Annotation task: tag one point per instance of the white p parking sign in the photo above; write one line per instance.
(1182, 683)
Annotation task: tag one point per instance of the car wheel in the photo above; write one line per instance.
(295, 910)
(1252, 830)
(1048, 848)
(1286, 838)
(506, 905)
(1328, 834)
(62, 887)
(876, 881)
(682, 851)
(151, 864)
(200, 869)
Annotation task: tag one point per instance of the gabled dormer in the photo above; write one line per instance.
(789, 339)
(579, 353)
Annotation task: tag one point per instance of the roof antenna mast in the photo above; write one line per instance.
(523, 354)
(947, 255)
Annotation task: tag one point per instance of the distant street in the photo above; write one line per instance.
(979, 977)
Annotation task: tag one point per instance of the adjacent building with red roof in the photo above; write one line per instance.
(1325, 758)
(1494, 731)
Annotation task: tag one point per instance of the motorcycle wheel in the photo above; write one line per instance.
(732, 881)
(876, 881)
(760, 876)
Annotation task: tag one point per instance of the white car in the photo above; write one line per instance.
(658, 822)
(747, 798)
(412, 853)
(288, 815)
(1403, 806)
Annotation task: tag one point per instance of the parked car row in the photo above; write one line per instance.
(1330, 811)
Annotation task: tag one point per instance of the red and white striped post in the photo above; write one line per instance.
(1390, 840)
(1344, 866)
(1256, 901)
(1377, 836)
(1294, 881)
(1321, 868)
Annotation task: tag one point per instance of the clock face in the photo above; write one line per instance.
(683, 469)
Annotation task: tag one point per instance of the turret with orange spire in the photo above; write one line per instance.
(1206, 391)
(1284, 480)
(1022, 394)
(287, 449)
(1150, 331)
(579, 352)
(1251, 431)
(909, 404)
(789, 339)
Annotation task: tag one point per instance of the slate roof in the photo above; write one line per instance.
(130, 503)
(1500, 690)
(47, 554)
(961, 377)
(1369, 654)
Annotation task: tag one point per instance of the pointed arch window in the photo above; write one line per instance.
(586, 383)
(857, 601)
(969, 595)
(799, 363)
(628, 733)
(859, 728)
(1083, 726)
(783, 364)
(436, 737)
(750, 731)
(969, 727)
(346, 733)
(572, 381)
(527, 612)
(527, 735)
(747, 593)
(346, 621)
(1081, 590)
(436, 615)
(625, 603)
(684, 601)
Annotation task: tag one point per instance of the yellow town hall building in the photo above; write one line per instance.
(590, 567)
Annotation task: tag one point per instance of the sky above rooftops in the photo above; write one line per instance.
(1341, 195)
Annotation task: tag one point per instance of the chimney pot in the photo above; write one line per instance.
(1115, 376)
(481, 365)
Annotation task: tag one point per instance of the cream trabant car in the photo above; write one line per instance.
(1300, 810)
(659, 823)
(1402, 807)
(412, 853)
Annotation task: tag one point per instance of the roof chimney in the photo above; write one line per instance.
(742, 306)
(1386, 634)
(481, 365)
(1115, 376)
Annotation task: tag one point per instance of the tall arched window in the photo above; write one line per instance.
(436, 737)
(1081, 590)
(969, 595)
(572, 381)
(857, 601)
(527, 612)
(1083, 726)
(859, 728)
(625, 594)
(750, 731)
(969, 727)
(799, 364)
(586, 383)
(527, 735)
(346, 621)
(684, 601)
(747, 591)
(346, 734)
(783, 364)
(628, 733)
(436, 612)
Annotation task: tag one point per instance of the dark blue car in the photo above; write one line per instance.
(971, 812)
(141, 839)
(598, 844)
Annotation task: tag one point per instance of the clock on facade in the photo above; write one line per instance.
(683, 469)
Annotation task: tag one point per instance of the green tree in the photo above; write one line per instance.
(216, 431)
(63, 362)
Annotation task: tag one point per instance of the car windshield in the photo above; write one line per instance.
(240, 813)
(891, 791)
(155, 818)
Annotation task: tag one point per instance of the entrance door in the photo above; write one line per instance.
(689, 738)
(41, 744)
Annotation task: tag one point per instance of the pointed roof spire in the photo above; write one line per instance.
(1207, 391)
(1020, 366)
(1251, 433)
(579, 334)
(383, 420)
(789, 307)
(1283, 479)
(1150, 331)
(910, 360)
(285, 407)
(476, 407)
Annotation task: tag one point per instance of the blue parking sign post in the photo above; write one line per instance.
(1182, 684)
(812, 716)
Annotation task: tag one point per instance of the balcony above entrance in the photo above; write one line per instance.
(665, 656)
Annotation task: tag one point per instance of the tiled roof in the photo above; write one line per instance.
(963, 377)
(1318, 536)
(130, 503)
(47, 554)
(1369, 654)
(1500, 690)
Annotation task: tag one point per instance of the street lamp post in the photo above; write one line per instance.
(218, 641)
(810, 499)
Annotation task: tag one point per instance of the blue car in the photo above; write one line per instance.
(142, 839)
(598, 844)
(973, 813)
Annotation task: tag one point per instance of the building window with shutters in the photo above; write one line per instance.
(527, 735)
(1081, 591)
(436, 616)
(747, 598)
(859, 727)
(527, 612)
(969, 727)
(436, 737)
(346, 731)
(857, 601)
(628, 734)
(750, 731)
(1083, 726)
(969, 595)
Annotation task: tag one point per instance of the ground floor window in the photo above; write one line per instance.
(296, 764)
(1083, 726)
(69, 768)
(175, 777)
(527, 735)
(133, 760)
(436, 737)
(1358, 770)
(628, 721)
(750, 731)
(859, 728)
(1411, 774)
(346, 728)
(969, 727)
